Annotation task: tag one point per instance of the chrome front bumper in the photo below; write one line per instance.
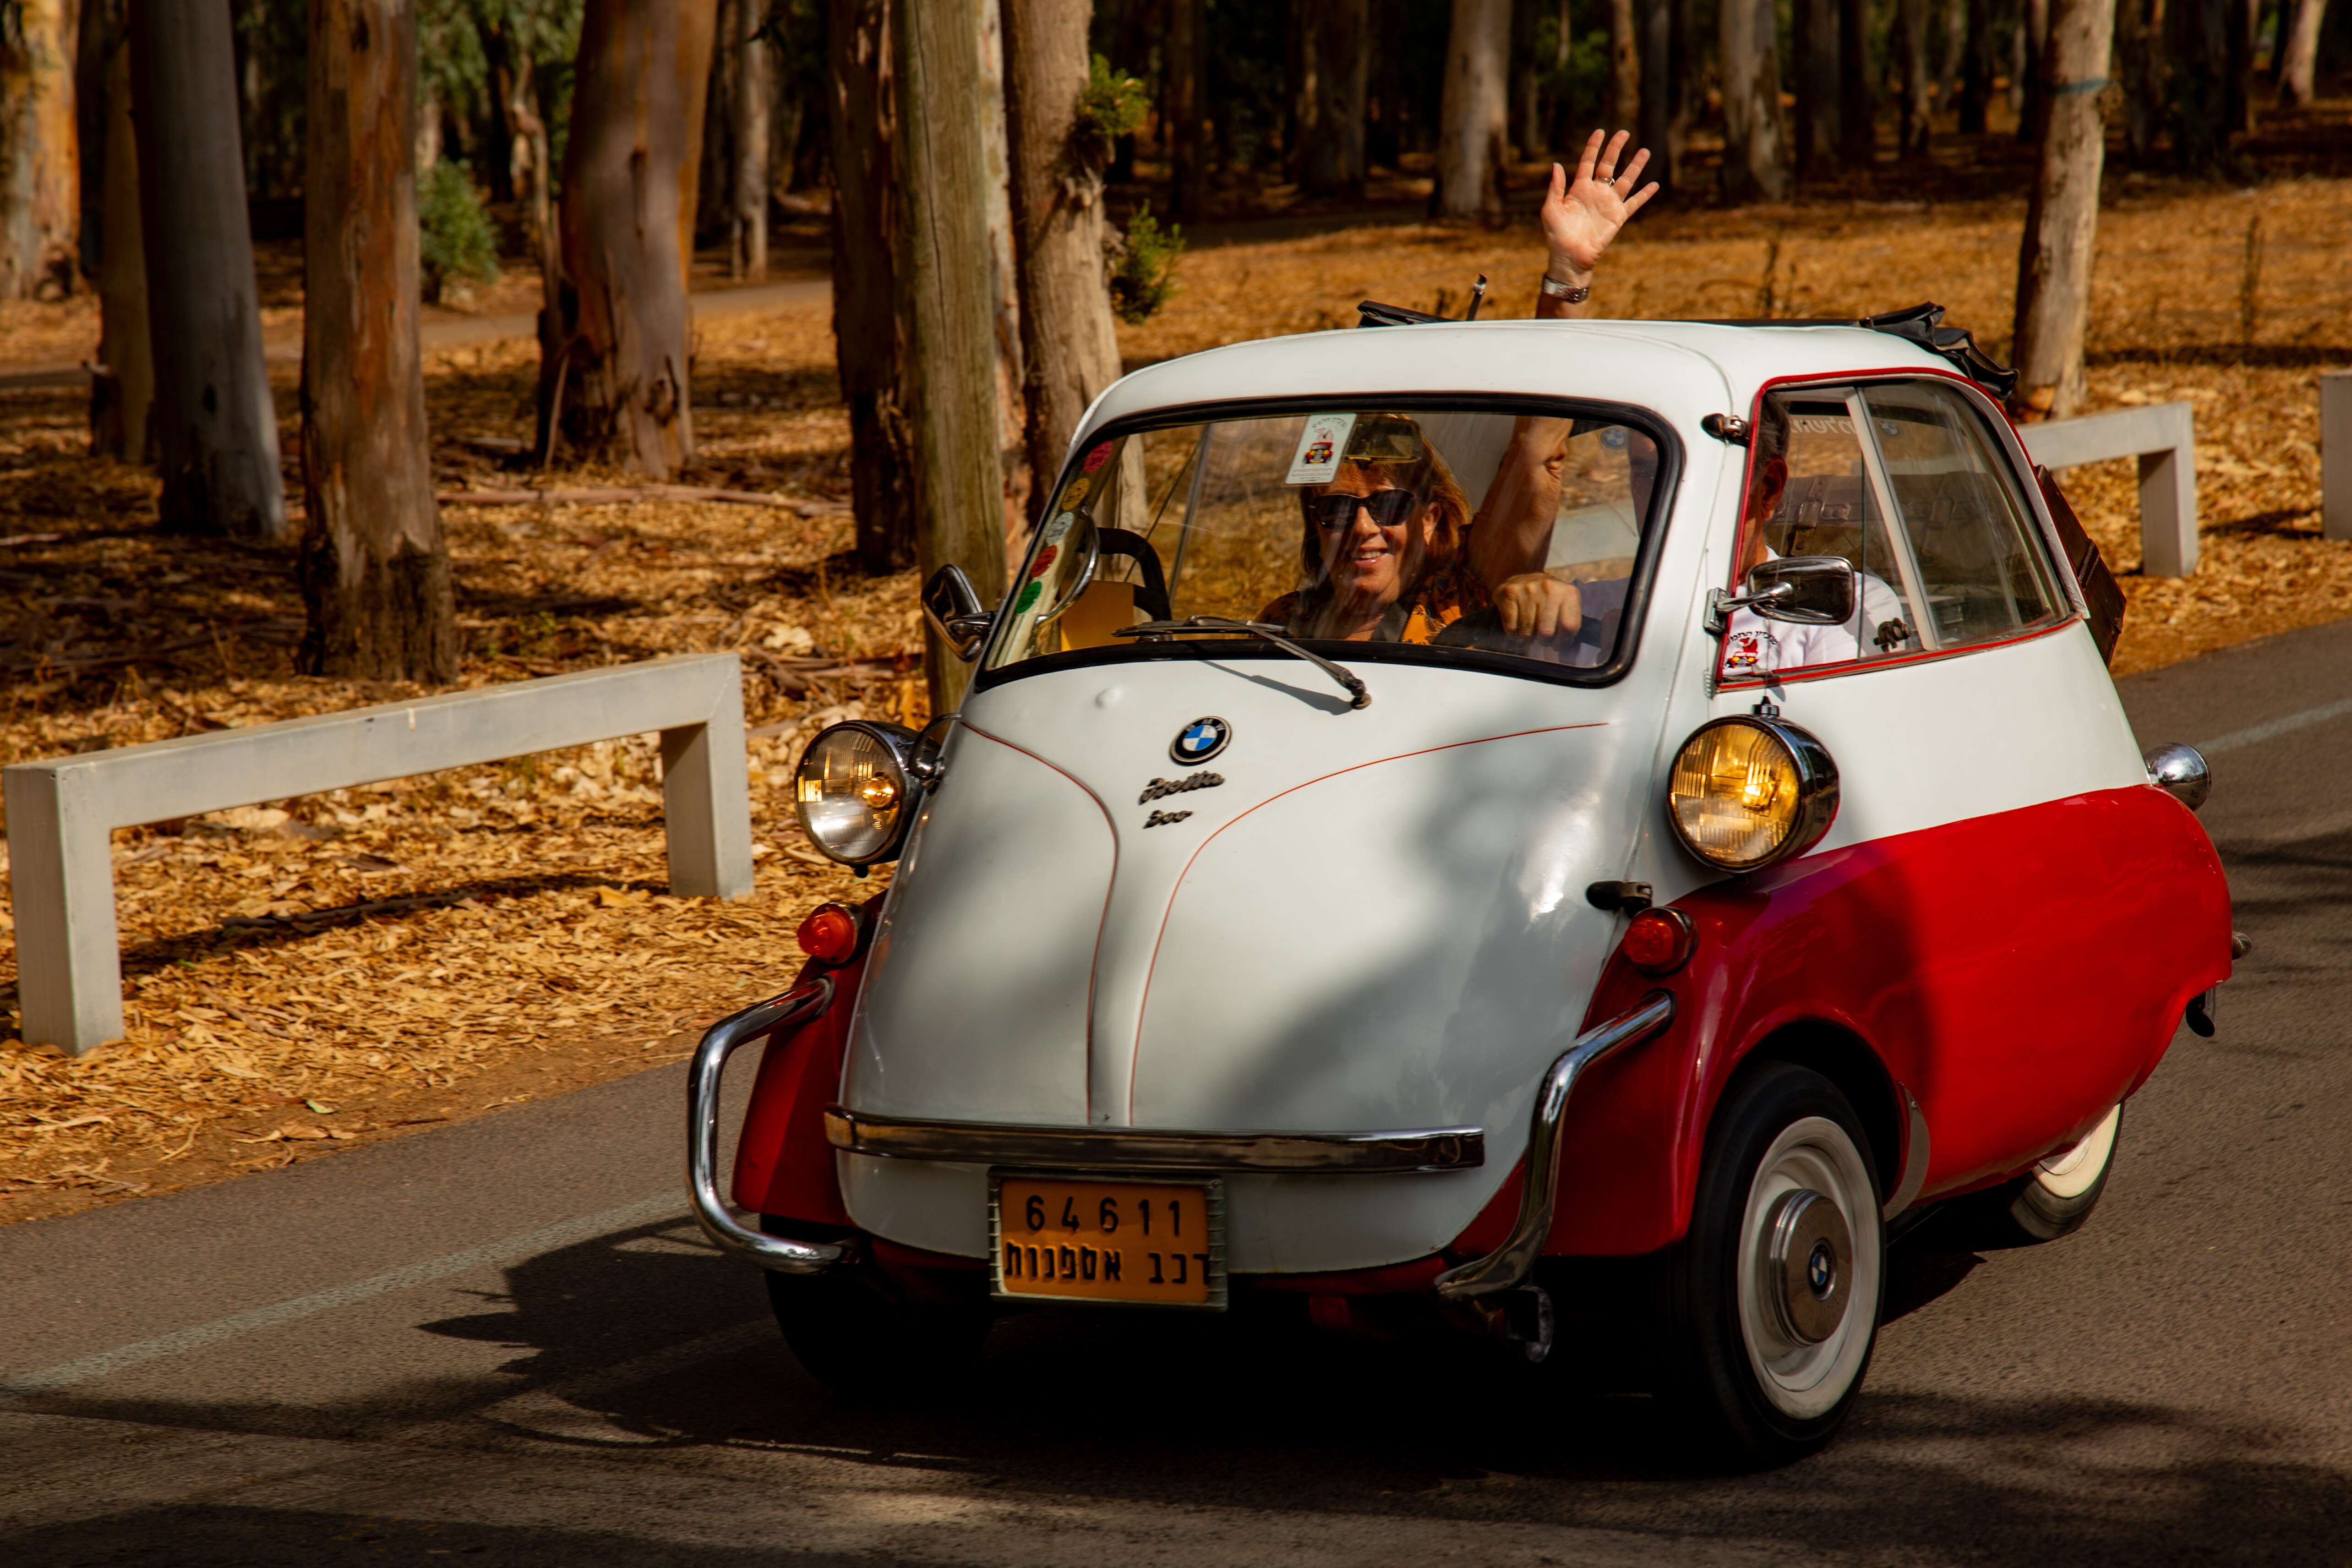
(1508, 1266)
(794, 1007)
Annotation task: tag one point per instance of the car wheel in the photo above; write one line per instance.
(1773, 1295)
(868, 1341)
(2053, 1198)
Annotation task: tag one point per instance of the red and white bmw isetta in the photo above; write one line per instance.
(1443, 805)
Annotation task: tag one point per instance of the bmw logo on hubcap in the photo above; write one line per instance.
(1200, 741)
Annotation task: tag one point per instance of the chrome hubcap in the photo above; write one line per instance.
(1808, 1262)
(1810, 1257)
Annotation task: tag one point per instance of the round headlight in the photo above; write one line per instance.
(1748, 790)
(852, 791)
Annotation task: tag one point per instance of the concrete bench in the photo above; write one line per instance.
(2163, 436)
(61, 811)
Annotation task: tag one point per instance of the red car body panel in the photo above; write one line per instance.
(783, 1167)
(2055, 946)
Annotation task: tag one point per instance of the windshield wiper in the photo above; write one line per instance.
(1357, 696)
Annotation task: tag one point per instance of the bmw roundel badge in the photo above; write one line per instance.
(1200, 741)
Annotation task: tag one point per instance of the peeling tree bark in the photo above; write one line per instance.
(945, 283)
(869, 332)
(2299, 56)
(2062, 220)
(216, 424)
(122, 393)
(1625, 66)
(374, 566)
(1068, 340)
(613, 338)
(1754, 166)
(1470, 149)
(753, 91)
(40, 177)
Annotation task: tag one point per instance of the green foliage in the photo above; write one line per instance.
(1113, 105)
(457, 238)
(1143, 274)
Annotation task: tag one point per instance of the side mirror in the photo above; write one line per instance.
(955, 612)
(1808, 590)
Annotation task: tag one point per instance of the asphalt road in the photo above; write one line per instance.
(503, 1341)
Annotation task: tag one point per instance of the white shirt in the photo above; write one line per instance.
(1753, 646)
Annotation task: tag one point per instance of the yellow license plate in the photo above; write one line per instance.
(1078, 1239)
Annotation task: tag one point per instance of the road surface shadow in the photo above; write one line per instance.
(216, 1536)
(1073, 1410)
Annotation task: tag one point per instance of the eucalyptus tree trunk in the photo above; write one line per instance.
(2299, 51)
(1183, 108)
(40, 178)
(1813, 39)
(754, 95)
(374, 567)
(1754, 167)
(530, 164)
(1338, 46)
(869, 327)
(2197, 41)
(215, 425)
(2139, 69)
(1666, 111)
(615, 336)
(1069, 343)
(122, 391)
(1004, 283)
(947, 284)
(2061, 219)
(1911, 64)
(1470, 142)
(1625, 66)
(1857, 103)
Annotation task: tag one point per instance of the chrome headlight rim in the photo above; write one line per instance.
(901, 746)
(1817, 791)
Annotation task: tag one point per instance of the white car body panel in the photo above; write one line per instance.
(1378, 922)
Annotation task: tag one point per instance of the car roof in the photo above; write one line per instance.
(1682, 370)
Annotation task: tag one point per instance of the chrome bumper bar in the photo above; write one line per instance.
(1152, 1149)
(1508, 1266)
(798, 1006)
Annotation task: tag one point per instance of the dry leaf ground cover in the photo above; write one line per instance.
(323, 971)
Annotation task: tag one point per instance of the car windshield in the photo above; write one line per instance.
(1475, 532)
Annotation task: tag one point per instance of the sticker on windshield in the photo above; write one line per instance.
(1319, 447)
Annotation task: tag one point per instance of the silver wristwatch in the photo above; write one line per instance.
(1561, 291)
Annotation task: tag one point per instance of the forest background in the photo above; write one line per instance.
(328, 971)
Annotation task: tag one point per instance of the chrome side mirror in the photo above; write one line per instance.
(2180, 771)
(1807, 590)
(955, 612)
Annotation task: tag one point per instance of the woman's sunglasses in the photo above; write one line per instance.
(1389, 509)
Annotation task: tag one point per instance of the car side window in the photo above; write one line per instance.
(1984, 571)
(1902, 480)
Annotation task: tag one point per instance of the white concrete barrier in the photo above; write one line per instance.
(2336, 454)
(2163, 436)
(61, 811)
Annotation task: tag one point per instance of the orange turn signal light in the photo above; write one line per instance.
(1659, 941)
(829, 935)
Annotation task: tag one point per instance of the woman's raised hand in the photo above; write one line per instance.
(1580, 217)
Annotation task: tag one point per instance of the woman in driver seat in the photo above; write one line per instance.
(1385, 549)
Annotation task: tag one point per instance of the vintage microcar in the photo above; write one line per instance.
(1467, 825)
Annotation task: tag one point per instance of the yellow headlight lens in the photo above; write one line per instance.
(850, 794)
(1734, 794)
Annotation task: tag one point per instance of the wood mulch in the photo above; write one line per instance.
(316, 973)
